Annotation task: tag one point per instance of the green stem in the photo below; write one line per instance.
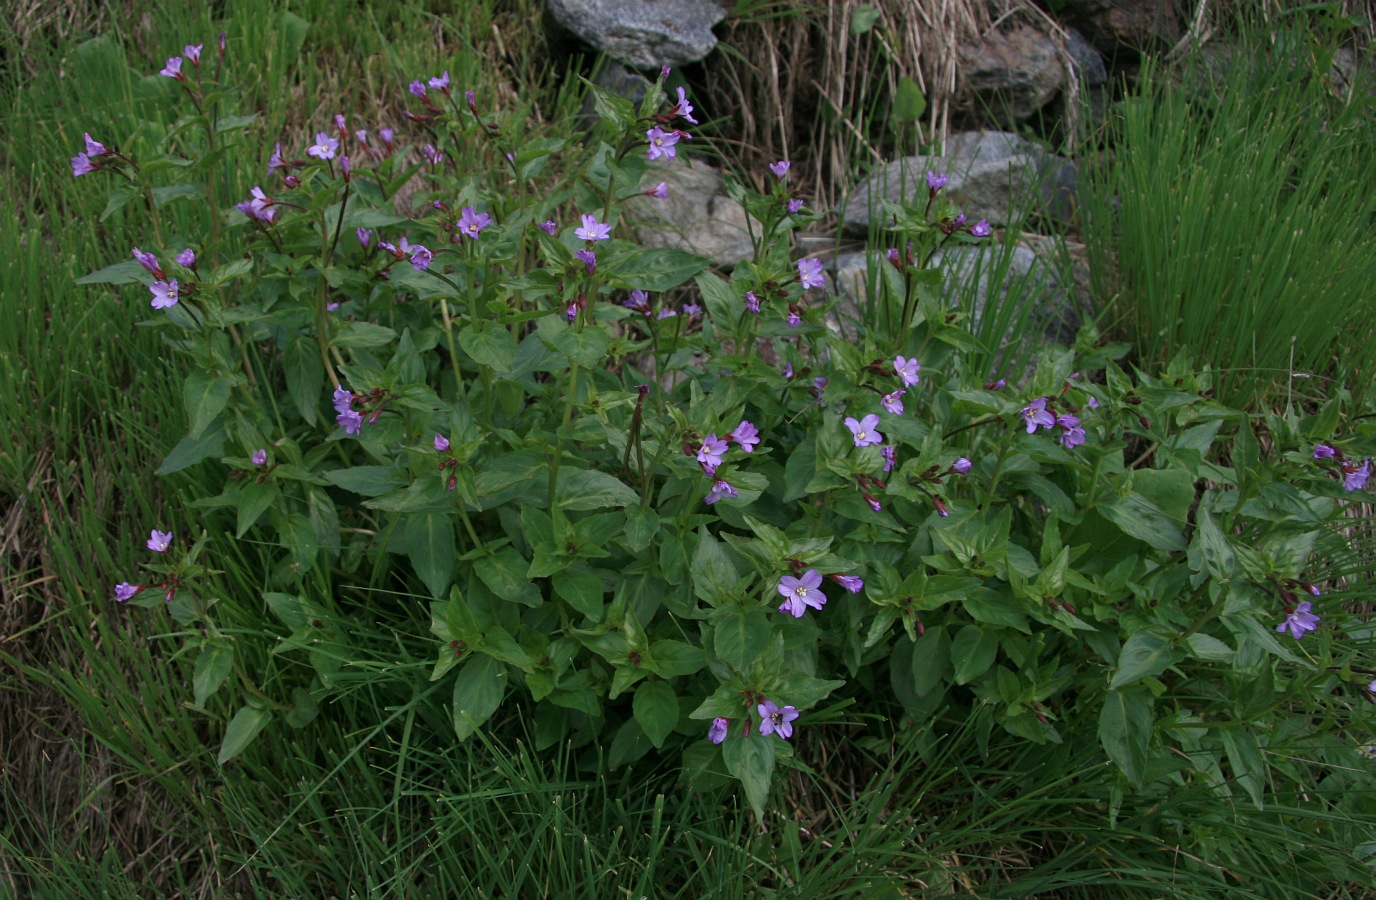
(569, 399)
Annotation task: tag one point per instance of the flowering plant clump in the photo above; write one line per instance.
(597, 467)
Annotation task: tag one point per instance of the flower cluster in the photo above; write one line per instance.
(711, 453)
(1039, 414)
(663, 139)
(774, 719)
(1354, 475)
(158, 542)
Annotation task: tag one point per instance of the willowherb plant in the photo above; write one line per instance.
(681, 512)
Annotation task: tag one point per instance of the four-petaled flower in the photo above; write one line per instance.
(661, 143)
(164, 294)
(1072, 435)
(187, 258)
(746, 436)
(659, 191)
(593, 230)
(774, 720)
(193, 53)
(433, 155)
(159, 541)
(82, 165)
(800, 593)
(752, 302)
(421, 257)
(717, 733)
(441, 83)
(471, 221)
(960, 466)
(549, 226)
(936, 180)
(417, 89)
(980, 229)
(441, 443)
(683, 109)
(894, 402)
(1323, 451)
(810, 273)
(794, 205)
(720, 489)
(124, 590)
(711, 452)
(260, 456)
(907, 370)
(853, 583)
(1356, 479)
(94, 147)
(794, 319)
(588, 259)
(865, 431)
(780, 168)
(365, 237)
(887, 453)
(173, 69)
(1036, 415)
(149, 262)
(324, 146)
(1299, 621)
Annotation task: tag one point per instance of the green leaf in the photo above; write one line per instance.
(909, 103)
(478, 691)
(629, 744)
(863, 19)
(931, 660)
(1244, 755)
(1145, 654)
(212, 668)
(641, 527)
(986, 605)
(583, 591)
(233, 123)
(656, 709)
(243, 728)
(504, 573)
(489, 345)
(367, 481)
(1125, 730)
(739, 638)
(713, 574)
(1140, 518)
(167, 193)
(364, 334)
(972, 652)
(1219, 558)
(305, 376)
(254, 500)
(751, 760)
(1205, 646)
(190, 451)
(128, 272)
(119, 195)
(658, 269)
(589, 489)
(205, 396)
(430, 540)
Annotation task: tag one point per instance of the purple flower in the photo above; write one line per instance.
(907, 370)
(794, 205)
(710, 453)
(787, 370)
(324, 146)
(82, 165)
(661, 143)
(853, 583)
(717, 733)
(472, 100)
(421, 257)
(1372, 687)
(441, 83)
(159, 541)
(94, 147)
(332, 306)
(417, 88)
(549, 226)
(471, 222)
(810, 273)
(639, 301)
(980, 229)
(996, 385)
(720, 489)
(1036, 415)
(894, 402)
(1323, 451)
(819, 384)
(865, 431)
(774, 720)
(343, 400)
(149, 262)
(887, 452)
(124, 590)
(571, 312)
(874, 502)
(361, 135)
(794, 320)
(593, 230)
(589, 260)
(752, 302)
(365, 237)
(173, 69)
(260, 457)
(187, 258)
(193, 53)
(683, 109)
(1093, 403)
(1072, 435)
(960, 466)
(780, 168)
(258, 206)
(1299, 621)
(936, 180)
(164, 294)
(659, 191)
(746, 436)
(441, 443)
(387, 135)
(432, 154)
(691, 309)
(350, 421)
(800, 593)
(1356, 479)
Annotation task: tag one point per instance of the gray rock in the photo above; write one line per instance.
(994, 175)
(645, 34)
(697, 216)
(1009, 75)
(1131, 24)
(1089, 64)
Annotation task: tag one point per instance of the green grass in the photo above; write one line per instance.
(110, 783)
(1233, 224)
